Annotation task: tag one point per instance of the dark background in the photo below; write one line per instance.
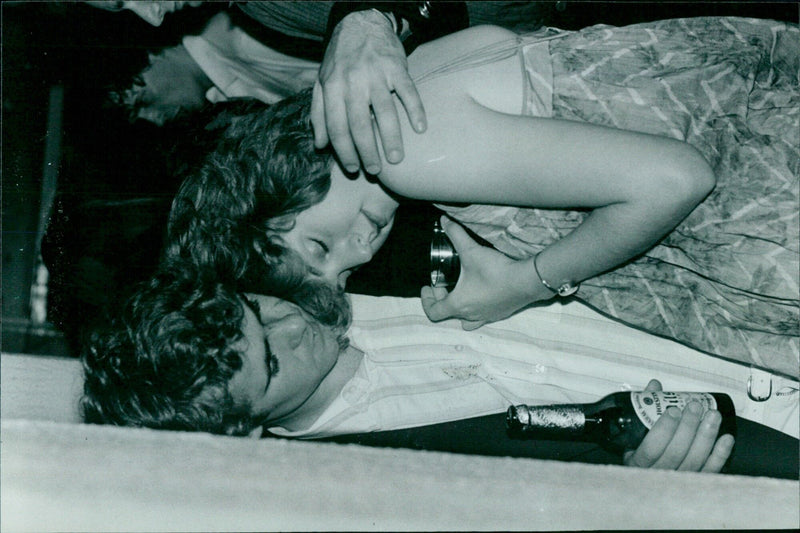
(58, 61)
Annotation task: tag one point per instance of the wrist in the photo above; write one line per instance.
(368, 18)
(358, 17)
(530, 284)
(389, 16)
(414, 22)
(555, 284)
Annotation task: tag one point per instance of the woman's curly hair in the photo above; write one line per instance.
(231, 213)
(165, 361)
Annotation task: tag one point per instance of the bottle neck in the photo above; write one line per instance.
(554, 421)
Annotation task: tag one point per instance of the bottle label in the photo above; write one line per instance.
(650, 405)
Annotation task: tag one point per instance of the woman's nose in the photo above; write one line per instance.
(360, 251)
(353, 252)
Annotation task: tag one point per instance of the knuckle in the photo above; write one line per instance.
(397, 66)
(343, 148)
(331, 81)
(382, 101)
(647, 455)
(645, 459)
(337, 132)
(354, 76)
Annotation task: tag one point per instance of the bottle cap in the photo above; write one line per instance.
(517, 417)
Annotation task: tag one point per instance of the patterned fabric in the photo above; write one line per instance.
(726, 280)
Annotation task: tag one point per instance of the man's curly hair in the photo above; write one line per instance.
(230, 214)
(165, 361)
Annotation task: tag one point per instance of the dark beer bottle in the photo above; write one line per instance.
(618, 422)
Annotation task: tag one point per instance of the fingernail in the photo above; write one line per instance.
(713, 418)
(373, 169)
(694, 408)
(674, 412)
(395, 156)
(352, 169)
(728, 441)
(421, 127)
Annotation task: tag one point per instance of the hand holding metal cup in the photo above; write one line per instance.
(445, 265)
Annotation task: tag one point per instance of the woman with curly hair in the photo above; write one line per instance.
(578, 155)
(267, 212)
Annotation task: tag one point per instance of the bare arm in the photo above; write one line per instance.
(638, 186)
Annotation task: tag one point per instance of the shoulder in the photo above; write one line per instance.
(481, 63)
(472, 37)
(447, 49)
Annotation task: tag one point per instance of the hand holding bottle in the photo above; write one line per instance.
(649, 429)
(491, 286)
(683, 440)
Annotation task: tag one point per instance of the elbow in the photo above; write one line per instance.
(703, 180)
(689, 180)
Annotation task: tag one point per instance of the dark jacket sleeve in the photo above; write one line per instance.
(426, 20)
